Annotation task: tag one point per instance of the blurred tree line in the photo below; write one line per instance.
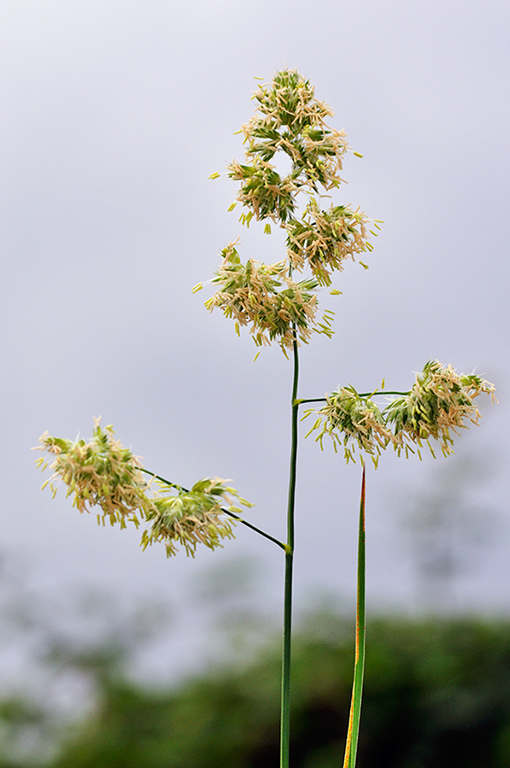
(437, 691)
(437, 694)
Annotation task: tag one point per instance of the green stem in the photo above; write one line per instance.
(289, 558)
(360, 394)
(384, 392)
(359, 663)
(226, 511)
(163, 480)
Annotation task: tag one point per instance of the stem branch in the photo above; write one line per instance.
(226, 511)
(361, 394)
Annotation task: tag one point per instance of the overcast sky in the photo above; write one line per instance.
(114, 115)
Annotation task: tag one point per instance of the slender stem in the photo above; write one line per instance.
(384, 392)
(254, 528)
(360, 394)
(289, 558)
(359, 663)
(226, 511)
(164, 480)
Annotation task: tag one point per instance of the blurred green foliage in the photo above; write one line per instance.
(437, 694)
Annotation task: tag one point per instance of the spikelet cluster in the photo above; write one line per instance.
(101, 474)
(440, 402)
(266, 298)
(351, 421)
(325, 239)
(192, 517)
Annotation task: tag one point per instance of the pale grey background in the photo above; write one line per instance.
(114, 115)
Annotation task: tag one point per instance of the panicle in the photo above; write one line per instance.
(192, 517)
(266, 297)
(440, 402)
(100, 473)
(351, 420)
(105, 475)
(289, 120)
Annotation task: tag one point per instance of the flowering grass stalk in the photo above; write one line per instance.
(274, 306)
(289, 566)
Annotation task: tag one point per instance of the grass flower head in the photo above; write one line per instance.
(290, 120)
(351, 420)
(265, 297)
(441, 401)
(100, 473)
(104, 474)
(192, 517)
(325, 239)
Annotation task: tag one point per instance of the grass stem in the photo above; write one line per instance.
(289, 561)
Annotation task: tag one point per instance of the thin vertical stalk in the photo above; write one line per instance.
(289, 558)
(359, 662)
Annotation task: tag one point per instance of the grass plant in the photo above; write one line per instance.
(279, 303)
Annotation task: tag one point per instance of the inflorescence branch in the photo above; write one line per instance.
(104, 474)
(440, 402)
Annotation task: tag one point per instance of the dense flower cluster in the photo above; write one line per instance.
(289, 120)
(264, 191)
(100, 473)
(351, 419)
(191, 517)
(440, 401)
(325, 239)
(279, 309)
(104, 474)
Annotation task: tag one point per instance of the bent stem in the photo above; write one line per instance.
(225, 511)
(359, 663)
(377, 393)
(289, 558)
